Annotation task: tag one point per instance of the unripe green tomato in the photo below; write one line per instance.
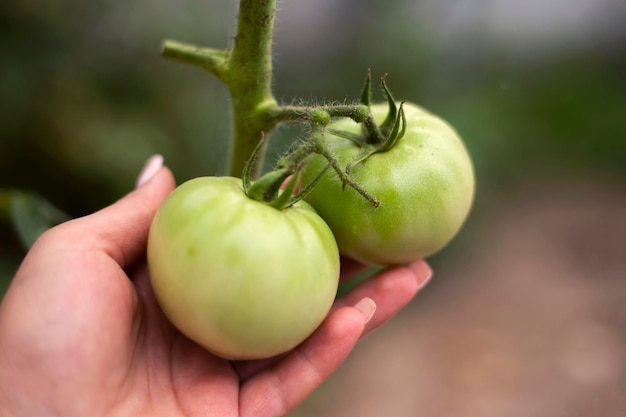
(242, 279)
(425, 185)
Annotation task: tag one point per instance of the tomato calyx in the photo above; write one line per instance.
(269, 189)
(397, 132)
(385, 136)
(374, 138)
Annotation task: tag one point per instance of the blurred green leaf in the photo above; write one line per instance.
(30, 214)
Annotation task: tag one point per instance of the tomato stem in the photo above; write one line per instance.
(318, 114)
(250, 69)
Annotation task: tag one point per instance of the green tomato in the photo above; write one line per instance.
(425, 185)
(242, 279)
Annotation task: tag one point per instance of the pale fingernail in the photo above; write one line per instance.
(367, 307)
(422, 272)
(152, 166)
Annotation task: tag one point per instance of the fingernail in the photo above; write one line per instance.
(422, 272)
(152, 166)
(367, 307)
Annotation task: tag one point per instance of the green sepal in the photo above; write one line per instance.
(249, 165)
(284, 198)
(346, 180)
(392, 115)
(364, 153)
(304, 192)
(366, 93)
(399, 128)
(266, 188)
(355, 138)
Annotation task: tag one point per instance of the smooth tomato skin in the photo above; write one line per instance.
(425, 185)
(242, 279)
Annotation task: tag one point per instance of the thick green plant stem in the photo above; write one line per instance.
(250, 80)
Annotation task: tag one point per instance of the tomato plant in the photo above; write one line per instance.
(424, 183)
(241, 278)
(248, 272)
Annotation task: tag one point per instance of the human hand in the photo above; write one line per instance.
(82, 334)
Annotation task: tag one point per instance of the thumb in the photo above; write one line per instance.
(121, 229)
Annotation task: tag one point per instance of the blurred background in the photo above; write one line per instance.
(526, 315)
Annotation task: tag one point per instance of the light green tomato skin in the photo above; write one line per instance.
(240, 278)
(425, 185)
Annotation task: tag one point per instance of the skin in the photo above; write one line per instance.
(82, 334)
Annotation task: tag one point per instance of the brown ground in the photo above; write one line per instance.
(531, 322)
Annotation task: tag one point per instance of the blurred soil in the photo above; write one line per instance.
(530, 321)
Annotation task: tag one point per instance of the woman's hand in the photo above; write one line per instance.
(81, 333)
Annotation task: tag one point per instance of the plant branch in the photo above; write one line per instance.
(250, 79)
(212, 60)
(358, 112)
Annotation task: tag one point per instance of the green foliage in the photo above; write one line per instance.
(30, 214)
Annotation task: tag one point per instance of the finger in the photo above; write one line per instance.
(351, 268)
(278, 390)
(121, 229)
(247, 369)
(391, 289)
